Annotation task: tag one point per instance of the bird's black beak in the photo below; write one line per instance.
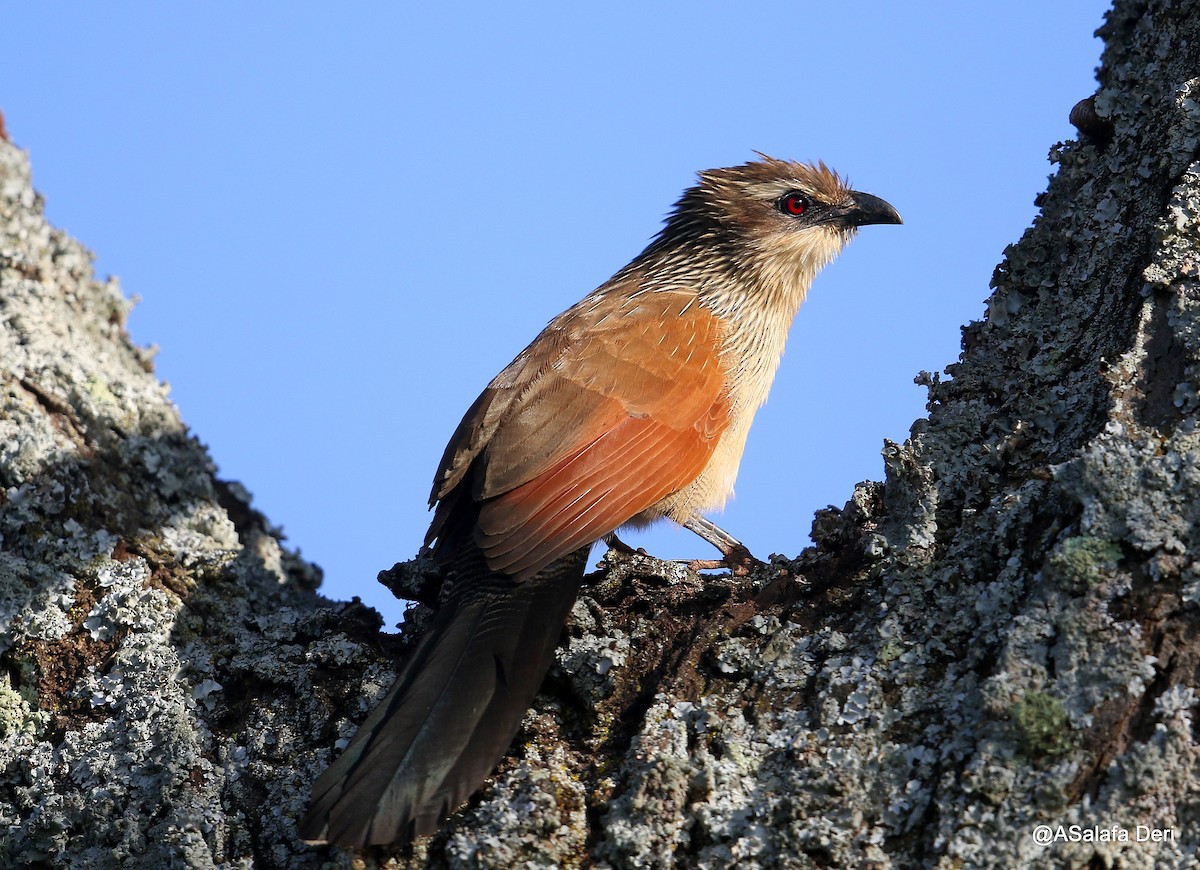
(867, 209)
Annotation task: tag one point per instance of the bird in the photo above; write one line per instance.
(632, 405)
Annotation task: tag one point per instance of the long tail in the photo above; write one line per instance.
(452, 712)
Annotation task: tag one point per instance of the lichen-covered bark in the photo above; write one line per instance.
(1001, 635)
(156, 642)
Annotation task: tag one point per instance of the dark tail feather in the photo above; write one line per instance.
(451, 714)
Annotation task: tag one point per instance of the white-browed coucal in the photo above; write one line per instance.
(633, 404)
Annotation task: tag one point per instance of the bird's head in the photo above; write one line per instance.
(771, 215)
(783, 208)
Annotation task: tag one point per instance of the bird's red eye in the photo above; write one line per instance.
(793, 203)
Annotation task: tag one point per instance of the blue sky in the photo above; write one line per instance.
(343, 219)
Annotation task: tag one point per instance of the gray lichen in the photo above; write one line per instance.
(1000, 636)
(136, 595)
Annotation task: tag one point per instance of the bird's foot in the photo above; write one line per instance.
(734, 554)
(616, 544)
(738, 560)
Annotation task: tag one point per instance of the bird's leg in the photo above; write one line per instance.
(734, 554)
(614, 543)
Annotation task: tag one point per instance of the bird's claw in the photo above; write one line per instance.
(738, 560)
(616, 544)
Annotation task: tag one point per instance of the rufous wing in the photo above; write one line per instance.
(618, 403)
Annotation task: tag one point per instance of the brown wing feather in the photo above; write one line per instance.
(619, 403)
(580, 504)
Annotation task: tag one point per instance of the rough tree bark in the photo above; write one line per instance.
(1001, 635)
